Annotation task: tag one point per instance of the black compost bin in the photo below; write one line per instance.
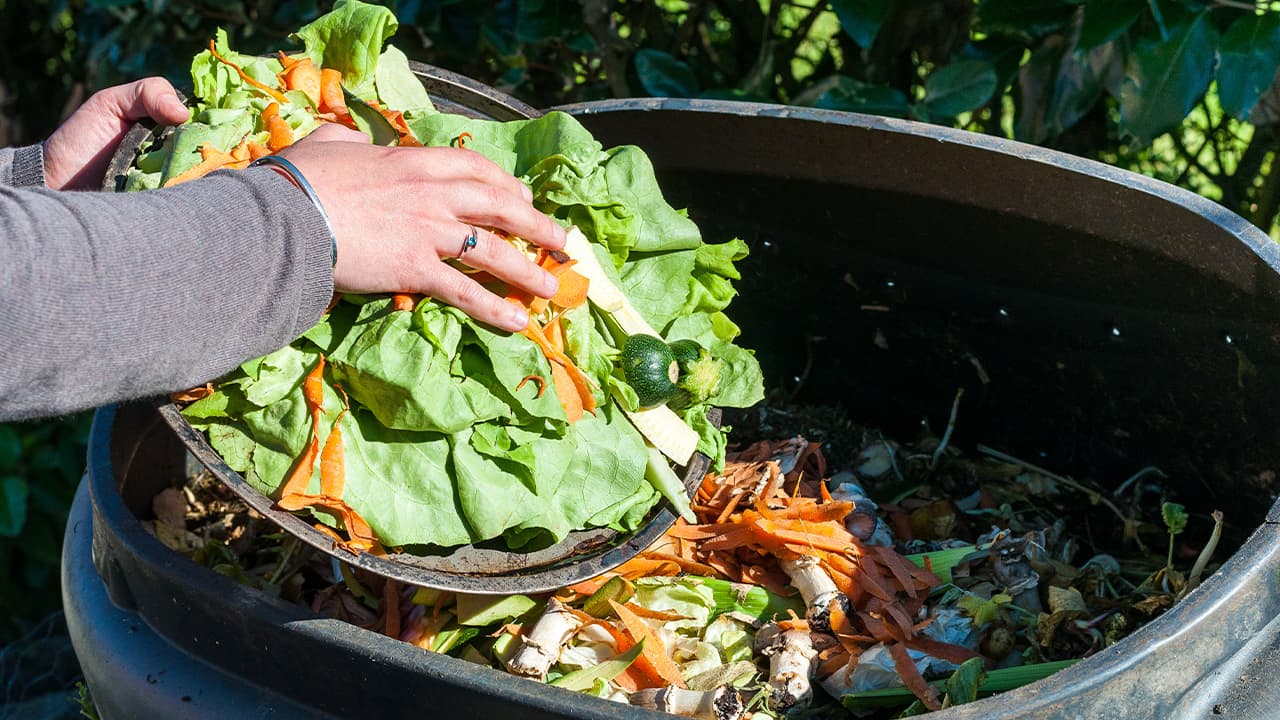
(1121, 322)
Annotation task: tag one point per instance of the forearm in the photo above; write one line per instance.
(108, 297)
(21, 167)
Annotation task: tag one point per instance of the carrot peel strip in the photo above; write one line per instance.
(653, 651)
(541, 381)
(275, 94)
(912, 677)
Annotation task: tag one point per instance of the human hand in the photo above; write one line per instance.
(76, 155)
(399, 213)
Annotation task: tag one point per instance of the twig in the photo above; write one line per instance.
(1148, 470)
(285, 558)
(1094, 495)
(946, 436)
(1237, 5)
(1202, 560)
(893, 462)
(983, 377)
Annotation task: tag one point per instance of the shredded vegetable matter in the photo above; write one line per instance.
(439, 416)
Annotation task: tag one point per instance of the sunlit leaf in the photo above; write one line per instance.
(861, 19)
(1165, 78)
(1250, 56)
(662, 75)
(959, 87)
(1104, 20)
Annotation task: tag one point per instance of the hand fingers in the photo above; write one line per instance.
(492, 253)
(496, 206)
(484, 194)
(151, 97)
(333, 132)
(454, 287)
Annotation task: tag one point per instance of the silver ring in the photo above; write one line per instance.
(469, 242)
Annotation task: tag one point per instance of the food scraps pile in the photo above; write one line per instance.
(400, 422)
(793, 592)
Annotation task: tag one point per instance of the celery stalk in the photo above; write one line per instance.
(668, 484)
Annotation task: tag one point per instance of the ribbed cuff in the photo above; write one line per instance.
(28, 166)
(317, 242)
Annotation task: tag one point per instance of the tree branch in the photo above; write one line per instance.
(596, 16)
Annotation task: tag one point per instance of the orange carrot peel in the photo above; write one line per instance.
(293, 493)
(275, 94)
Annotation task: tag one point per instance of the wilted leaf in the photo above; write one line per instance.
(1065, 600)
(721, 675)
(983, 611)
(170, 507)
(1165, 78)
(962, 686)
(662, 75)
(1105, 20)
(1250, 56)
(13, 505)
(370, 121)
(861, 19)
(1027, 19)
(959, 87)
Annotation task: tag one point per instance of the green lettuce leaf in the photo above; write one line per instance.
(397, 86)
(349, 39)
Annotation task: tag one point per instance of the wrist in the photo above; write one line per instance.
(295, 176)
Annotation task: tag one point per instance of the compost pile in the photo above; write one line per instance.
(913, 578)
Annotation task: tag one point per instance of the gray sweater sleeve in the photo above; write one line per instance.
(106, 297)
(22, 166)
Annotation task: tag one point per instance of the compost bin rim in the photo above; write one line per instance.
(1231, 223)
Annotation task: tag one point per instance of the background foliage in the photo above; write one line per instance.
(1182, 90)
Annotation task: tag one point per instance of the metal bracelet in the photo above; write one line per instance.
(301, 181)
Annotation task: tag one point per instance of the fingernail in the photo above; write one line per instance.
(175, 105)
(518, 319)
(549, 284)
(561, 233)
(527, 193)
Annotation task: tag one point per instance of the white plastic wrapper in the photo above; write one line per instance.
(875, 669)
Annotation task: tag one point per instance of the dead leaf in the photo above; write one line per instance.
(192, 395)
(170, 507)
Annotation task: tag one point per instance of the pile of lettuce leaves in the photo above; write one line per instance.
(440, 447)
